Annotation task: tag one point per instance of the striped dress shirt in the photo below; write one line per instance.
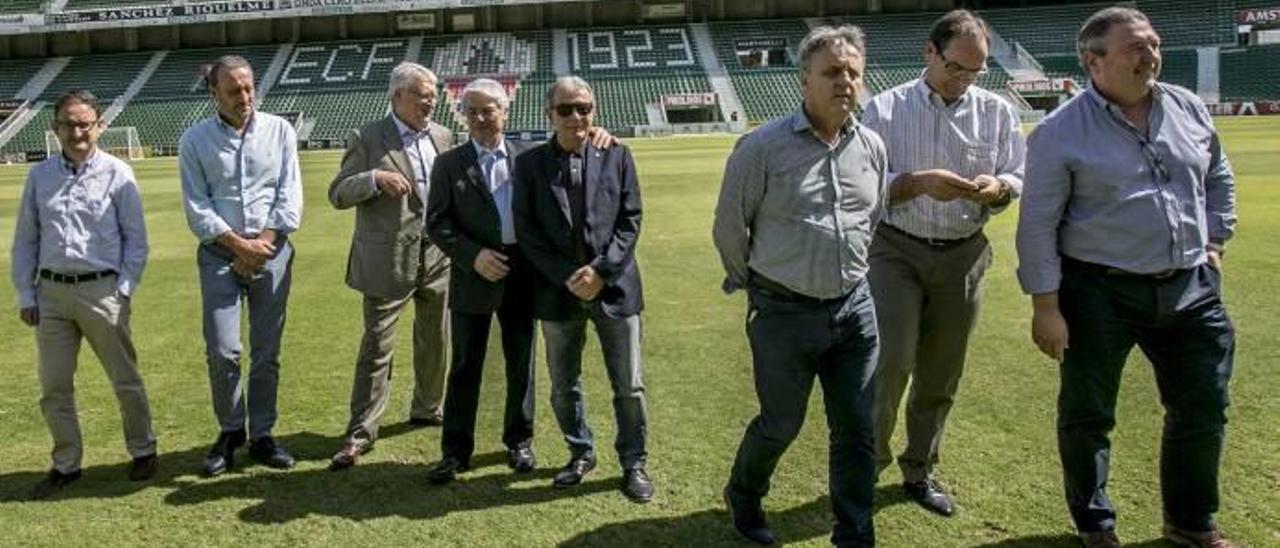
(979, 134)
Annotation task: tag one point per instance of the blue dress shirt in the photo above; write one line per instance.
(240, 183)
(79, 220)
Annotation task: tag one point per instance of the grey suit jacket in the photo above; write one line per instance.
(386, 247)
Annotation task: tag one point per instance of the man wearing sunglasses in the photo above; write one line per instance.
(385, 176)
(955, 159)
(79, 249)
(577, 218)
(1129, 202)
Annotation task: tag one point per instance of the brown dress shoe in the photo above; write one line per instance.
(349, 455)
(1212, 538)
(144, 468)
(1100, 539)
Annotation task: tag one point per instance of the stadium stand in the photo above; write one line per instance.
(106, 75)
(332, 86)
(765, 91)
(1250, 74)
(21, 6)
(15, 75)
(175, 97)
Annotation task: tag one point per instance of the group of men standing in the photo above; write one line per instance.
(860, 245)
(861, 248)
(490, 227)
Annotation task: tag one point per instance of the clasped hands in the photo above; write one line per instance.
(251, 254)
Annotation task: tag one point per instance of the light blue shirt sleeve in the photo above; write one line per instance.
(286, 213)
(1044, 198)
(133, 234)
(25, 254)
(197, 195)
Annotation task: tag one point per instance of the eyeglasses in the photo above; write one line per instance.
(956, 69)
(484, 113)
(566, 110)
(82, 126)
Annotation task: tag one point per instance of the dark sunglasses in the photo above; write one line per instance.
(568, 109)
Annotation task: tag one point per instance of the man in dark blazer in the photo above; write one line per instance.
(384, 176)
(577, 217)
(469, 217)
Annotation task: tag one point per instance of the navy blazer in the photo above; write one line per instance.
(543, 221)
(462, 219)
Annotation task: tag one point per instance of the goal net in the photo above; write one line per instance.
(121, 142)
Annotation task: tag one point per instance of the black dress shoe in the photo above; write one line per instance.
(748, 518)
(144, 468)
(574, 471)
(265, 451)
(423, 422)
(350, 454)
(446, 470)
(930, 495)
(521, 459)
(53, 482)
(637, 486)
(221, 456)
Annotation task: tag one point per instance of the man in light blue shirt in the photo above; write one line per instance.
(1127, 206)
(242, 193)
(79, 249)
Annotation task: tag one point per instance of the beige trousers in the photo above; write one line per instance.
(95, 312)
(371, 389)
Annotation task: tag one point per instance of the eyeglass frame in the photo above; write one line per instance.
(956, 69)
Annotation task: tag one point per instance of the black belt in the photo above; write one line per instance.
(75, 278)
(941, 243)
(1104, 270)
(779, 292)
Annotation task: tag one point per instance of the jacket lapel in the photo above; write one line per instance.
(592, 177)
(475, 173)
(395, 149)
(558, 190)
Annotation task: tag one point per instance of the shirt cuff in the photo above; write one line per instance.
(126, 286)
(27, 298)
(1035, 282)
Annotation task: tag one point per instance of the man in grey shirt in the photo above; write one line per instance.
(955, 159)
(1128, 203)
(800, 200)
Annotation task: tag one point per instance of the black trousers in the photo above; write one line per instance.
(795, 342)
(470, 341)
(1181, 325)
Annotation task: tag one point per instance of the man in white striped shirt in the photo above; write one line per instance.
(955, 158)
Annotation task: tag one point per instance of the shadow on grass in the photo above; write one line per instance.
(379, 489)
(111, 480)
(806, 522)
(1063, 541)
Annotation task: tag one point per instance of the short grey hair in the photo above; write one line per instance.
(405, 74)
(489, 87)
(571, 83)
(224, 63)
(825, 37)
(1096, 27)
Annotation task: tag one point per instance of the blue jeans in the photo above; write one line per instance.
(794, 341)
(620, 340)
(1182, 326)
(267, 294)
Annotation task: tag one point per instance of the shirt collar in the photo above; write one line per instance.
(405, 131)
(929, 96)
(1100, 101)
(89, 162)
(248, 126)
(501, 149)
(555, 145)
(800, 123)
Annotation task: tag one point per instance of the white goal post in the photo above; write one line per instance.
(121, 142)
